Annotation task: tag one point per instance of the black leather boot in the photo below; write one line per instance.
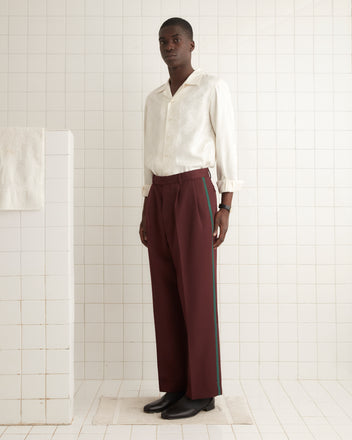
(186, 407)
(164, 402)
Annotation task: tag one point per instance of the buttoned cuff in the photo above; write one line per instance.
(228, 185)
(145, 190)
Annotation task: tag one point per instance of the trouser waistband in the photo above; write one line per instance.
(180, 177)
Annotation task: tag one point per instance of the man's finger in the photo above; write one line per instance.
(216, 225)
(143, 235)
(221, 237)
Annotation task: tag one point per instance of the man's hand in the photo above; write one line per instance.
(221, 220)
(143, 233)
(142, 226)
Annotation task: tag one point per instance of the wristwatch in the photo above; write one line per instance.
(222, 205)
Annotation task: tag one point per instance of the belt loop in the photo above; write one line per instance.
(178, 178)
(209, 172)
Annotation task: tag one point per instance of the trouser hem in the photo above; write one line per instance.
(203, 394)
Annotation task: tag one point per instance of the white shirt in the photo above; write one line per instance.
(194, 128)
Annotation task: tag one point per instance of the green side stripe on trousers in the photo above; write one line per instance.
(214, 291)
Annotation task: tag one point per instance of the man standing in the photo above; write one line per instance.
(188, 127)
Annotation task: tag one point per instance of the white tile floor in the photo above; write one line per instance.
(281, 410)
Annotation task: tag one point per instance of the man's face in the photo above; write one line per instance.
(175, 45)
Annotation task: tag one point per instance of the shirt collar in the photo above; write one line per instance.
(193, 79)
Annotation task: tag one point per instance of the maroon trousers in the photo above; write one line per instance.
(180, 211)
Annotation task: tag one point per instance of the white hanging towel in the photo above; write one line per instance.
(21, 168)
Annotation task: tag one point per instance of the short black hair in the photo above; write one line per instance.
(178, 21)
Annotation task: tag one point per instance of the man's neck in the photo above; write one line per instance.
(179, 74)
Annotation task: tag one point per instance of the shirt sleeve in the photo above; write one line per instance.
(147, 181)
(223, 122)
(148, 175)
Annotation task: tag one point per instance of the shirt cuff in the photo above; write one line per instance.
(227, 185)
(145, 190)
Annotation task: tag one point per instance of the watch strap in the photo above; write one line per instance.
(222, 205)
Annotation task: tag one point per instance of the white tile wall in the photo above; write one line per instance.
(37, 298)
(285, 268)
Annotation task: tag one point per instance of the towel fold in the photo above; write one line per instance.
(21, 168)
